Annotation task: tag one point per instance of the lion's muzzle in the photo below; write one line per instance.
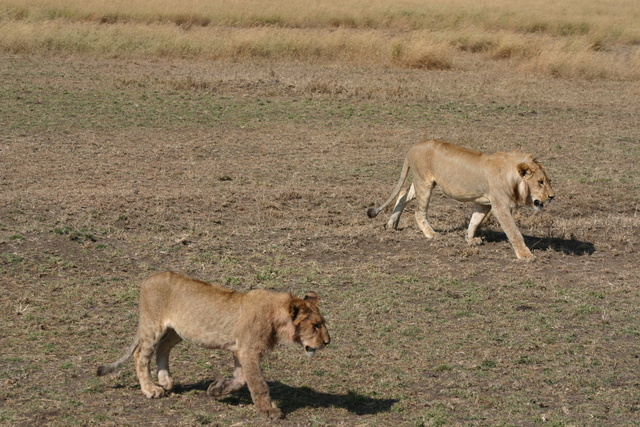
(539, 205)
(311, 351)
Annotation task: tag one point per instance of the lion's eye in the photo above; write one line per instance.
(541, 182)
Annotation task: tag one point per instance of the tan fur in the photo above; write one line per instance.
(496, 182)
(175, 307)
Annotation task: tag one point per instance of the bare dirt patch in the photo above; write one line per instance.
(258, 174)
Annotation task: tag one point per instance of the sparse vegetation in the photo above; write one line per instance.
(120, 158)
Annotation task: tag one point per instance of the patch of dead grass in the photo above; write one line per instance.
(590, 44)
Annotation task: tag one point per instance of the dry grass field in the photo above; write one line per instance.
(569, 38)
(254, 169)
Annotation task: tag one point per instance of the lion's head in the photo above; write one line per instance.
(311, 331)
(537, 188)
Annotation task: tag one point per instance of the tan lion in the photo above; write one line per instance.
(496, 182)
(175, 307)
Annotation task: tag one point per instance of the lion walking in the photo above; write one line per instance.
(496, 182)
(175, 307)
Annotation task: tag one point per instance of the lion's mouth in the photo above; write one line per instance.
(538, 205)
(310, 351)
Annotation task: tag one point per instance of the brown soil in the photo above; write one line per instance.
(258, 175)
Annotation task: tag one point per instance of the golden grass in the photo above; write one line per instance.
(570, 38)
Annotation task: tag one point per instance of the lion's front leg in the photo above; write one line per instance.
(503, 214)
(258, 386)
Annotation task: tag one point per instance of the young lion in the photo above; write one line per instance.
(175, 307)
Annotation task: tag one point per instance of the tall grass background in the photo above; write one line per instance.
(566, 38)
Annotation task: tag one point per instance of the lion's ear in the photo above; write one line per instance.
(312, 298)
(524, 170)
(295, 306)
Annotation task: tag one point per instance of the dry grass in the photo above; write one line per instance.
(257, 174)
(568, 38)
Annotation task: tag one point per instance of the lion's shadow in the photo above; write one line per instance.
(571, 246)
(290, 398)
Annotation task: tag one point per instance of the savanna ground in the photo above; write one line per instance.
(255, 172)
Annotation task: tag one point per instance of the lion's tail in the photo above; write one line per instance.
(107, 369)
(373, 212)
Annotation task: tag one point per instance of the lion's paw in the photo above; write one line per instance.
(154, 392)
(165, 381)
(216, 388)
(272, 413)
(526, 256)
(476, 241)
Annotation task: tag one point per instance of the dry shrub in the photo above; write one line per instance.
(187, 21)
(429, 60)
(423, 54)
(579, 60)
(510, 46)
(475, 43)
(111, 18)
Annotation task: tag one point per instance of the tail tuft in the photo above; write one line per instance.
(107, 369)
(372, 212)
(103, 370)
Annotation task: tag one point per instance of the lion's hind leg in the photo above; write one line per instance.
(168, 341)
(479, 214)
(223, 386)
(423, 191)
(404, 197)
(148, 341)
